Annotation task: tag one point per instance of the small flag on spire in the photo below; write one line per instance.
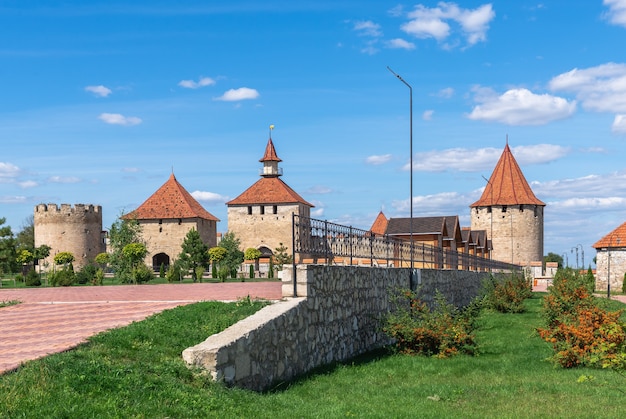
(271, 128)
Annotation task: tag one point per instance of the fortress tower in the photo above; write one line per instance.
(76, 229)
(510, 213)
(261, 216)
(166, 217)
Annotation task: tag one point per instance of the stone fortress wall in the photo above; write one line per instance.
(69, 228)
(336, 316)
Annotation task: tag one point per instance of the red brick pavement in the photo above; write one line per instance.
(51, 320)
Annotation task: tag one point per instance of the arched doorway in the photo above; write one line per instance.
(160, 259)
(266, 254)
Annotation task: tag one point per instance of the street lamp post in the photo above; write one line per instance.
(564, 255)
(410, 167)
(572, 251)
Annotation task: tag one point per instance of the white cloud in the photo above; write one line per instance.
(426, 22)
(8, 172)
(605, 185)
(619, 124)
(617, 11)
(202, 82)
(380, 159)
(61, 179)
(601, 88)
(399, 43)
(428, 115)
(319, 190)
(119, 119)
(12, 199)
(210, 197)
(317, 213)
(242, 93)
(483, 159)
(435, 204)
(446, 93)
(100, 90)
(368, 28)
(28, 184)
(521, 107)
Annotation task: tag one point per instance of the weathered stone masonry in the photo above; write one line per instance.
(335, 317)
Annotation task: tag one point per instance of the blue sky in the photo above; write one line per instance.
(101, 100)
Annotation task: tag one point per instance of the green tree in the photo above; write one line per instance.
(25, 239)
(194, 253)
(553, 257)
(134, 254)
(40, 253)
(8, 255)
(102, 259)
(64, 258)
(25, 256)
(122, 233)
(281, 257)
(234, 256)
(252, 254)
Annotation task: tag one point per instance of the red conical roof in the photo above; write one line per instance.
(270, 153)
(170, 201)
(380, 224)
(507, 185)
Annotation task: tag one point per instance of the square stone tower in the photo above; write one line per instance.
(261, 217)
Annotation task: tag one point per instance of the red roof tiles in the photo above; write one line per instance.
(269, 190)
(507, 185)
(616, 238)
(270, 153)
(380, 224)
(170, 201)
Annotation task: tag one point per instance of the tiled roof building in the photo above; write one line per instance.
(261, 217)
(611, 259)
(510, 213)
(166, 217)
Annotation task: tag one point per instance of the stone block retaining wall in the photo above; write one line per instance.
(335, 317)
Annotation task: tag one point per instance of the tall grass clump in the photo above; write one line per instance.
(507, 294)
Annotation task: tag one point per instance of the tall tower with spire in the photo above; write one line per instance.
(510, 213)
(261, 217)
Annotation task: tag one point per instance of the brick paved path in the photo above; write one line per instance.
(51, 320)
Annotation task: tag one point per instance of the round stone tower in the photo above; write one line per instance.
(510, 213)
(76, 229)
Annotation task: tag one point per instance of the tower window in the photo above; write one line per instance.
(504, 208)
(489, 210)
(262, 209)
(249, 210)
(275, 209)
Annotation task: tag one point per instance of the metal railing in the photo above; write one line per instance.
(323, 242)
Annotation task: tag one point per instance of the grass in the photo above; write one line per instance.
(6, 303)
(137, 372)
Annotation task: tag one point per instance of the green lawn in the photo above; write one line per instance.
(137, 372)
